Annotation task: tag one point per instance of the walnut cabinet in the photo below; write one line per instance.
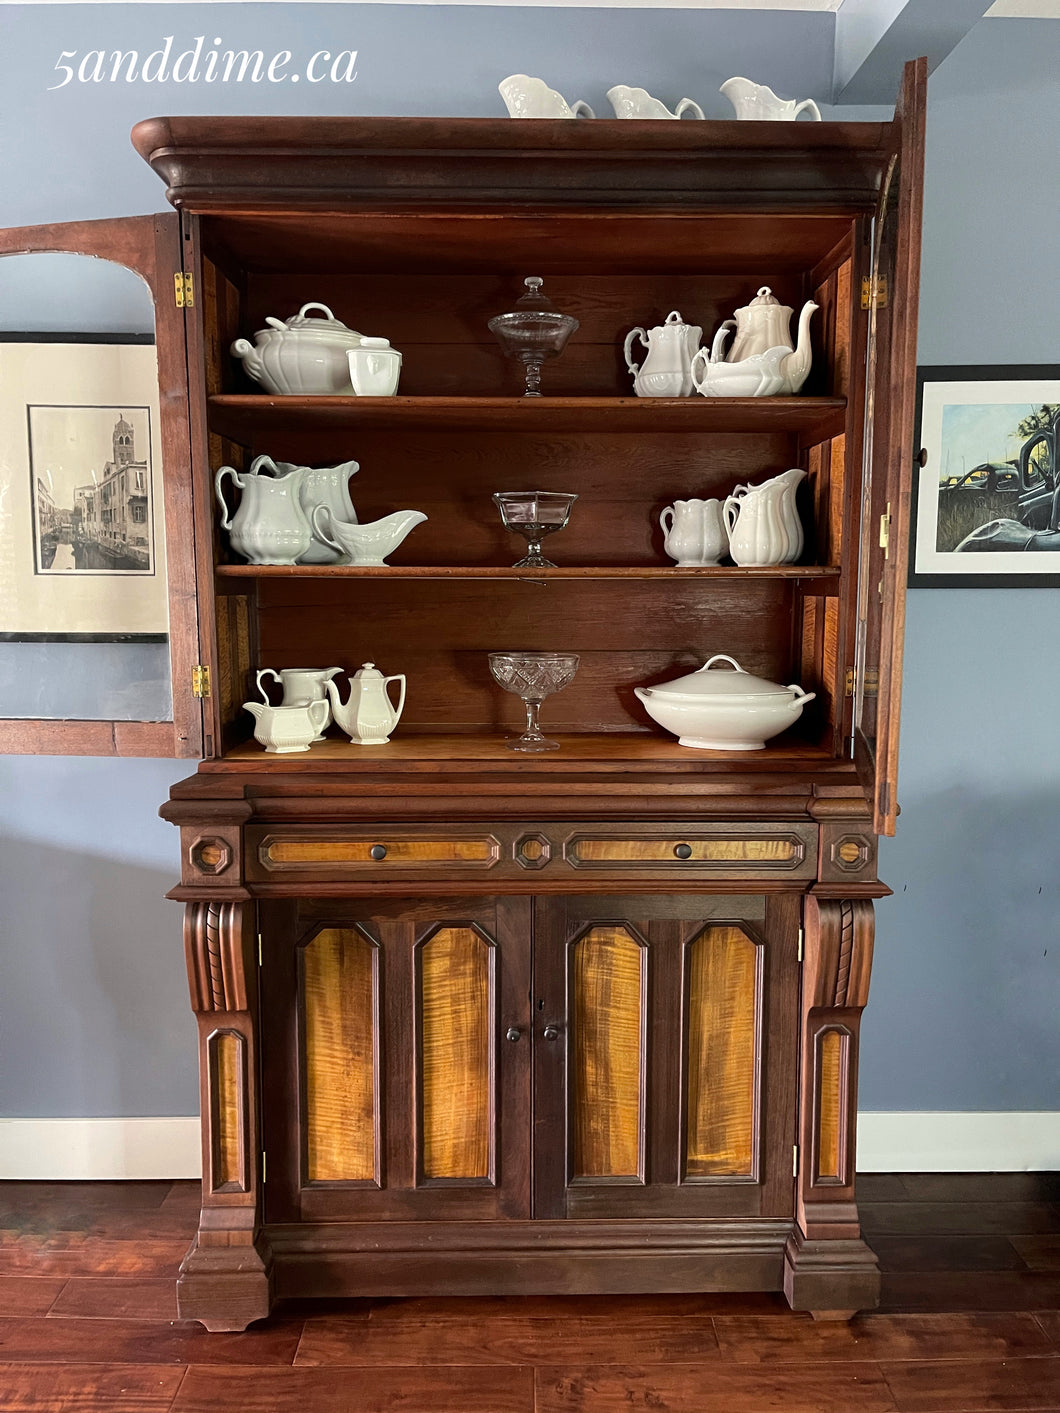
(472, 1022)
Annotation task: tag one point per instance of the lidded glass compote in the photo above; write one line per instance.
(533, 331)
(533, 676)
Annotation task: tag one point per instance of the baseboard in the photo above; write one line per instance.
(98, 1150)
(959, 1142)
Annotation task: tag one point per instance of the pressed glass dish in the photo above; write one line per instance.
(533, 676)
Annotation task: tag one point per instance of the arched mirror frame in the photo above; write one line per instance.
(150, 247)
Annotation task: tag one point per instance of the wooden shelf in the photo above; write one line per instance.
(828, 574)
(618, 752)
(250, 417)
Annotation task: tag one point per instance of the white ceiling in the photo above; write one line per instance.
(1025, 10)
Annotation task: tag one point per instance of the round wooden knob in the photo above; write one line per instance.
(551, 1032)
(513, 1034)
(683, 851)
(378, 851)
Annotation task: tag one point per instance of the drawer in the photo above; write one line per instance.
(355, 851)
(549, 851)
(741, 850)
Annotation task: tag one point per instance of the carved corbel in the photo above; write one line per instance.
(829, 1268)
(225, 1279)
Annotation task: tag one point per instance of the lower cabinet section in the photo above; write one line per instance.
(471, 1059)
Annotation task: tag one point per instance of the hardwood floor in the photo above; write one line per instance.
(970, 1323)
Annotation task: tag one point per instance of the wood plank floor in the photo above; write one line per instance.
(969, 1323)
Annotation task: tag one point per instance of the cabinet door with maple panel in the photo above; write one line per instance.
(664, 1045)
(396, 1058)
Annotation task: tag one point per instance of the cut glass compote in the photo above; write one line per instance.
(533, 331)
(534, 514)
(533, 676)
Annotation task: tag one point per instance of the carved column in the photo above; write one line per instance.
(225, 1280)
(828, 1268)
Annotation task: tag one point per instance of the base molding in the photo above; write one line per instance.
(102, 1150)
(833, 1279)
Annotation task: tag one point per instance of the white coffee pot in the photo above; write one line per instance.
(369, 715)
(761, 324)
(667, 369)
(527, 97)
(638, 103)
(757, 103)
(694, 532)
(301, 685)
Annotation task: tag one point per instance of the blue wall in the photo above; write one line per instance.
(965, 985)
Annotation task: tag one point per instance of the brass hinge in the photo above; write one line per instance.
(259, 949)
(872, 683)
(263, 1167)
(798, 955)
(795, 1161)
(184, 290)
(867, 292)
(885, 532)
(200, 681)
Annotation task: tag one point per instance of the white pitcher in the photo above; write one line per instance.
(301, 685)
(757, 103)
(321, 485)
(694, 532)
(788, 483)
(283, 730)
(638, 103)
(753, 527)
(527, 97)
(667, 369)
(270, 526)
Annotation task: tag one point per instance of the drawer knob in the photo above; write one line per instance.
(514, 1033)
(683, 851)
(551, 1032)
(378, 851)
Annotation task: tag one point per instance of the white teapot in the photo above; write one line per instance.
(762, 324)
(667, 370)
(369, 716)
(757, 103)
(527, 97)
(638, 103)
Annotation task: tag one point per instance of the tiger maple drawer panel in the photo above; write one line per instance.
(548, 851)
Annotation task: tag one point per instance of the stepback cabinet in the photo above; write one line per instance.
(474, 1022)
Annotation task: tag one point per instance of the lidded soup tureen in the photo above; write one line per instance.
(301, 354)
(724, 711)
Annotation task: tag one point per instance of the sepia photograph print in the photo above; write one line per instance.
(986, 500)
(90, 487)
(82, 530)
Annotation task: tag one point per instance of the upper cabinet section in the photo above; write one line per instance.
(337, 164)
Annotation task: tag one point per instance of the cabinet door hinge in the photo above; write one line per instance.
(795, 1161)
(867, 292)
(263, 1165)
(200, 681)
(259, 949)
(872, 683)
(184, 290)
(798, 955)
(885, 532)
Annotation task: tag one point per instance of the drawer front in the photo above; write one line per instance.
(548, 852)
(342, 853)
(742, 850)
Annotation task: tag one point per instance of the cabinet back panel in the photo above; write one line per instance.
(439, 323)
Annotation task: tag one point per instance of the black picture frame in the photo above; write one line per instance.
(992, 486)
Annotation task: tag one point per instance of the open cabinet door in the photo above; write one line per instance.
(893, 293)
(96, 537)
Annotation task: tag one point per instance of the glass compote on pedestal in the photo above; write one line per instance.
(534, 514)
(533, 331)
(533, 676)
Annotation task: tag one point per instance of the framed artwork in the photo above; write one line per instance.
(82, 551)
(986, 498)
